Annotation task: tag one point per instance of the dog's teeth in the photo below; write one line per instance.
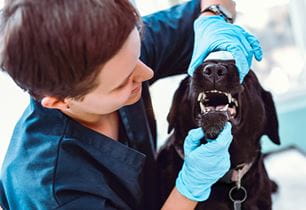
(207, 110)
(225, 108)
(200, 96)
(229, 97)
(203, 95)
(235, 101)
(202, 108)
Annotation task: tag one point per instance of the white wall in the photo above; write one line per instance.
(13, 101)
(298, 16)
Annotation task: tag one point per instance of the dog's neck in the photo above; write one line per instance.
(233, 175)
(237, 173)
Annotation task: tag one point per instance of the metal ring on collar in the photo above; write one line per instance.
(242, 189)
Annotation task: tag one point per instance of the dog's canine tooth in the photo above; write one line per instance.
(202, 107)
(235, 101)
(229, 97)
(225, 108)
(200, 96)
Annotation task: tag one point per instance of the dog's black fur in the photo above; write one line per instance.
(256, 116)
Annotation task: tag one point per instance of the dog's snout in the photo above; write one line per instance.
(214, 72)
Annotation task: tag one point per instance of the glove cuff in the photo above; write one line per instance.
(202, 21)
(183, 188)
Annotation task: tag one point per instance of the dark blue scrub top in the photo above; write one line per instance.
(54, 162)
(59, 163)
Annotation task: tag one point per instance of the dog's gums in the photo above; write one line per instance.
(218, 101)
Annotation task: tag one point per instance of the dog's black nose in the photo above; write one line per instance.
(214, 72)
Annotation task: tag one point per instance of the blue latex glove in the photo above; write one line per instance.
(204, 164)
(213, 33)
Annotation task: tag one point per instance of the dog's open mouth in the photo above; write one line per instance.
(218, 101)
(214, 110)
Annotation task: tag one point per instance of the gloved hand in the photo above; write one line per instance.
(204, 164)
(213, 33)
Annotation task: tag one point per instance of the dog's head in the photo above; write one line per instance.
(213, 96)
(214, 91)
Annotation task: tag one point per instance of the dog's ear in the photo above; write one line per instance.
(271, 127)
(179, 106)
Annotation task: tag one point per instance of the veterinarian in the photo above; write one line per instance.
(87, 140)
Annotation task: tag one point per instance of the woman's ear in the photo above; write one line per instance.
(54, 103)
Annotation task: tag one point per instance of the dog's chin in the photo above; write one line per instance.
(212, 123)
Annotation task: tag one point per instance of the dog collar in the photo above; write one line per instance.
(233, 175)
(237, 173)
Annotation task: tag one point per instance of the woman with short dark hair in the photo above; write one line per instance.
(87, 139)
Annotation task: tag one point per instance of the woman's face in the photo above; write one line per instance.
(119, 81)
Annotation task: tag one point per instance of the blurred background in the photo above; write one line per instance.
(281, 29)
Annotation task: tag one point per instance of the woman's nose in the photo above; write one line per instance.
(143, 72)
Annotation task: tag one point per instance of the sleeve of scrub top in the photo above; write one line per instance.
(168, 38)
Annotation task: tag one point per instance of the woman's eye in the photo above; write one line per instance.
(122, 86)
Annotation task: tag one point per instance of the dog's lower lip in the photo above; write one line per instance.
(230, 113)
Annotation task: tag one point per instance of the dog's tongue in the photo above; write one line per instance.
(222, 109)
(217, 108)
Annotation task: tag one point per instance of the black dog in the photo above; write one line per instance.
(209, 99)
